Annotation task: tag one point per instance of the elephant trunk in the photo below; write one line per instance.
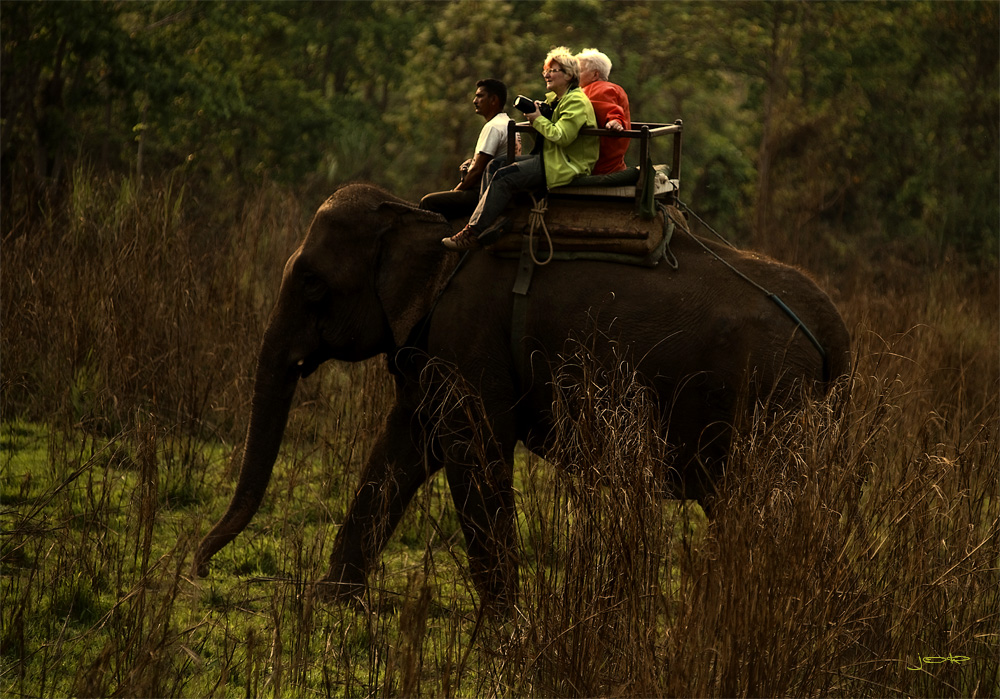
(274, 387)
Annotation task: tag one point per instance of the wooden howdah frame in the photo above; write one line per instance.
(644, 131)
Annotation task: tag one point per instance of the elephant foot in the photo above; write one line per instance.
(335, 590)
(344, 583)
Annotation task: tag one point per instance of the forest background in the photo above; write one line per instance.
(805, 121)
(160, 160)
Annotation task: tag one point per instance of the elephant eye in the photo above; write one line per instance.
(313, 288)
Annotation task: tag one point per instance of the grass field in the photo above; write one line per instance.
(131, 317)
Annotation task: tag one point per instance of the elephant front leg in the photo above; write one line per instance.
(396, 469)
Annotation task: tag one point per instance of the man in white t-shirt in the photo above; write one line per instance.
(490, 99)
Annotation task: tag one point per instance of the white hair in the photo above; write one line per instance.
(592, 59)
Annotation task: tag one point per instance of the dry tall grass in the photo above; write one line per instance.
(130, 323)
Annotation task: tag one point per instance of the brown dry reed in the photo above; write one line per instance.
(857, 537)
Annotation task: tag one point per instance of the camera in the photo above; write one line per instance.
(524, 104)
(527, 106)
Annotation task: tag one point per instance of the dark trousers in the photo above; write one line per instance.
(453, 204)
(525, 174)
(491, 170)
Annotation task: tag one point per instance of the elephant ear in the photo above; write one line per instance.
(413, 266)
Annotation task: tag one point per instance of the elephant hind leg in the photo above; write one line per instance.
(476, 430)
(484, 499)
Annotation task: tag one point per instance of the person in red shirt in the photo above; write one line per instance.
(610, 106)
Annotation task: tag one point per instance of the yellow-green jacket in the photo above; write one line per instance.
(567, 157)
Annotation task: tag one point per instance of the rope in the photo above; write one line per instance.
(702, 222)
(669, 225)
(537, 218)
(773, 297)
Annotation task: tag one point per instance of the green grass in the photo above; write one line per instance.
(97, 597)
(95, 557)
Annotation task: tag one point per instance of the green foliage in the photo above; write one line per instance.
(881, 118)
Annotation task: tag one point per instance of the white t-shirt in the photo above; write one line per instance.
(493, 137)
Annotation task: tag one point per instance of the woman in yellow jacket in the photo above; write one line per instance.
(564, 156)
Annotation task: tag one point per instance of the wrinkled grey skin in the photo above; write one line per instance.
(367, 275)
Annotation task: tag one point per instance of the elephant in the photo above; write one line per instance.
(371, 278)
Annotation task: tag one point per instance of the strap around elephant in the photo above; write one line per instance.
(519, 312)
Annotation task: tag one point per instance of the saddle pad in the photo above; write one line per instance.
(585, 226)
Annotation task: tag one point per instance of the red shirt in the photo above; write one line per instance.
(610, 102)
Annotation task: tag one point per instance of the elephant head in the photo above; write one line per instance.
(368, 269)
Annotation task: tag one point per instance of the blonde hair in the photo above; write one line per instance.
(592, 59)
(567, 61)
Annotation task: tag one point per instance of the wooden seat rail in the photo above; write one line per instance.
(644, 131)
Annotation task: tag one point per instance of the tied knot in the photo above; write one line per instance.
(536, 220)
